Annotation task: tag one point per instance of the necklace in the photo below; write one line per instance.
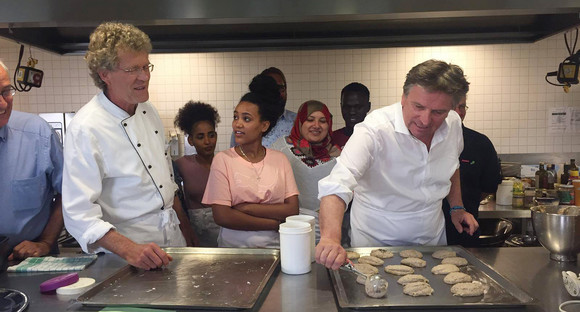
(258, 173)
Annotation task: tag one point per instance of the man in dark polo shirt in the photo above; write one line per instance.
(479, 174)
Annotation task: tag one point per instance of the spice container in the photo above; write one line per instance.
(566, 194)
(518, 200)
(529, 194)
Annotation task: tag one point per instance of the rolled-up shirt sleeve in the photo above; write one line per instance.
(351, 165)
(82, 186)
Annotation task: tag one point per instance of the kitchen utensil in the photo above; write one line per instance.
(59, 281)
(493, 232)
(374, 283)
(557, 228)
(12, 300)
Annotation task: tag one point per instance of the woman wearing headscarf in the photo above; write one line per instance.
(311, 153)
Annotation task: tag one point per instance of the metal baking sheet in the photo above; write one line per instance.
(499, 292)
(197, 278)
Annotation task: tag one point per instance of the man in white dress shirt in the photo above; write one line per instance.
(118, 190)
(400, 162)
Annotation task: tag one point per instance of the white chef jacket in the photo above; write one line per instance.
(398, 185)
(118, 175)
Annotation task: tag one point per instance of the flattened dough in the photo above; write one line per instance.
(411, 253)
(366, 268)
(382, 253)
(414, 262)
(457, 277)
(418, 289)
(443, 253)
(371, 260)
(444, 269)
(352, 255)
(411, 278)
(399, 269)
(458, 261)
(467, 289)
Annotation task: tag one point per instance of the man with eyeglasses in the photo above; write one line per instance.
(30, 179)
(479, 175)
(286, 120)
(118, 189)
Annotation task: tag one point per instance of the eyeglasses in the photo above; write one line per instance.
(8, 92)
(137, 70)
(463, 107)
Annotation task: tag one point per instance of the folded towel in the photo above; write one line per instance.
(53, 264)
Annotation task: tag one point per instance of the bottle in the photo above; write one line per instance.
(573, 165)
(565, 174)
(573, 171)
(541, 177)
(551, 176)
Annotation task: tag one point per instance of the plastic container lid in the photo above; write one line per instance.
(77, 288)
(59, 281)
(507, 182)
(295, 227)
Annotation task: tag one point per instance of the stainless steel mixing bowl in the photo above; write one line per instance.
(558, 230)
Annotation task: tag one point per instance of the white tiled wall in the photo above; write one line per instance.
(508, 101)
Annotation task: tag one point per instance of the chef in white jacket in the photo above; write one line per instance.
(118, 189)
(400, 162)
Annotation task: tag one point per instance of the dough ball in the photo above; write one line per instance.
(366, 268)
(418, 289)
(352, 255)
(399, 269)
(457, 277)
(376, 287)
(414, 262)
(444, 269)
(411, 278)
(443, 253)
(411, 253)
(382, 253)
(467, 289)
(458, 261)
(371, 260)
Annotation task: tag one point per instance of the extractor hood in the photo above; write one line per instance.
(63, 26)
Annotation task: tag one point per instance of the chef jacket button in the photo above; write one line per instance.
(165, 154)
(156, 131)
(125, 125)
(162, 208)
(138, 144)
(144, 112)
(149, 166)
(171, 175)
(160, 186)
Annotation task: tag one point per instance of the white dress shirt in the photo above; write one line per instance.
(398, 184)
(117, 175)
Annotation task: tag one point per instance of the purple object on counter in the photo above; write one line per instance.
(59, 281)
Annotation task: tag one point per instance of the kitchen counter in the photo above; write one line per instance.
(529, 268)
(493, 211)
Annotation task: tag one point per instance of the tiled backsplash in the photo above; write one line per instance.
(509, 99)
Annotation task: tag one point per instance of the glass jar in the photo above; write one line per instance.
(529, 193)
(518, 200)
(566, 194)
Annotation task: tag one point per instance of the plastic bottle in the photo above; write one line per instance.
(541, 177)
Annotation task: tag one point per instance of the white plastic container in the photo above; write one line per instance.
(295, 247)
(312, 221)
(504, 193)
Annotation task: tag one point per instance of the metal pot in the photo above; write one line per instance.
(4, 252)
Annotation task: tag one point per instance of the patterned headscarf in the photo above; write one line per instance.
(323, 150)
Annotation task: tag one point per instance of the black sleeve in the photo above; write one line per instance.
(490, 175)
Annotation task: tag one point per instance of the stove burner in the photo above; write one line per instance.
(522, 240)
(12, 300)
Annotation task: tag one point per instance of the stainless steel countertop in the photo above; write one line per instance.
(530, 268)
(493, 211)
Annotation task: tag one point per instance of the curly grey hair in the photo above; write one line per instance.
(105, 43)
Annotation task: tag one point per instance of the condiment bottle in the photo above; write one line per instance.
(551, 176)
(541, 177)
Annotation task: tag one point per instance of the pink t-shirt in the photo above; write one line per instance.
(233, 180)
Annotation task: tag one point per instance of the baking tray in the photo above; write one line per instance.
(197, 278)
(500, 292)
